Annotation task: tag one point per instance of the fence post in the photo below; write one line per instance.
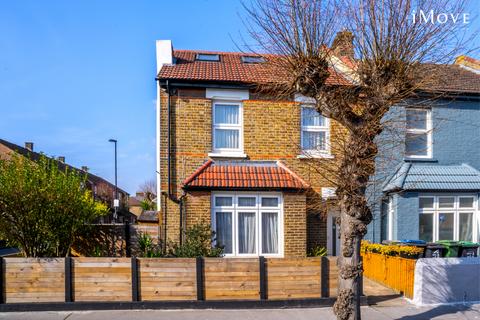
(324, 277)
(200, 282)
(68, 280)
(263, 278)
(2, 281)
(128, 250)
(135, 293)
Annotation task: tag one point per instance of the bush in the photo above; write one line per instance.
(147, 248)
(317, 251)
(411, 252)
(198, 242)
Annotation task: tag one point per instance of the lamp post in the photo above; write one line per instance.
(115, 201)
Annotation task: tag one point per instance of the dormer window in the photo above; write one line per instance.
(252, 59)
(208, 57)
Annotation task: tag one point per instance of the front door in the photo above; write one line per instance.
(333, 233)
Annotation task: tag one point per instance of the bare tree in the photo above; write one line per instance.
(397, 57)
(149, 189)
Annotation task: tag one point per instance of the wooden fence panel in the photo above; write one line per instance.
(394, 272)
(167, 279)
(294, 278)
(232, 279)
(332, 276)
(102, 279)
(34, 279)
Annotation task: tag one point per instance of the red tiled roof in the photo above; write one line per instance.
(244, 175)
(230, 68)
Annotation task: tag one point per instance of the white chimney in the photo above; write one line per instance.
(164, 53)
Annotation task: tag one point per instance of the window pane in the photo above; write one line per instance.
(465, 202)
(426, 227)
(223, 201)
(226, 114)
(445, 226)
(313, 140)
(224, 231)
(417, 119)
(269, 232)
(416, 144)
(246, 232)
(310, 117)
(426, 203)
(465, 227)
(446, 202)
(246, 201)
(269, 202)
(228, 139)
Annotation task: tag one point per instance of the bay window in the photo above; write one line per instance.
(227, 131)
(315, 133)
(248, 224)
(447, 217)
(418, 136)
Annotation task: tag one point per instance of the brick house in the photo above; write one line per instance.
(239, 160)
(257, 168)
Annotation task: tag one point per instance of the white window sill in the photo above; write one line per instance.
(316, 156)
(239, 155)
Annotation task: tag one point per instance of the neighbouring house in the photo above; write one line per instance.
(433, 188)
(257, 168)
(102, 190)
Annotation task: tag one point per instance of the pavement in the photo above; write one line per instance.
(405, 312)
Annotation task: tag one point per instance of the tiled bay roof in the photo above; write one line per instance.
(244, 175)
(434, 177)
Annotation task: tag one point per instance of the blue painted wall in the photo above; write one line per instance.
(456, 140)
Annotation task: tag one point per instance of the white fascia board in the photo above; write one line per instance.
(227, 94)
(303, 99)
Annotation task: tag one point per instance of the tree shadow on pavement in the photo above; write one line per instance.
(437, 312)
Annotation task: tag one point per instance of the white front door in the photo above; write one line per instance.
(333, 232)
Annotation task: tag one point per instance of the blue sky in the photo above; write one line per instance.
(75, 73)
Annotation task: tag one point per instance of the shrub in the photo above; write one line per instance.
(198, 242)
(317, 251)
(147, 247)
(391, 250)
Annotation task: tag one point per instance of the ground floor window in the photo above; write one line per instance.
(248, 224)
(448, 217)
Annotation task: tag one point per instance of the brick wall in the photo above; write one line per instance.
(271, 132)
(295, 224)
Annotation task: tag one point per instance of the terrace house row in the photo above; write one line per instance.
(257, 168)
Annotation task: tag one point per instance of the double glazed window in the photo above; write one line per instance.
(447, 217)
(418, 136)
(315, 131)
(227, 127)
(248, 224)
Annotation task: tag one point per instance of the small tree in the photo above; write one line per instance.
(396, 57)
(149, 190)
(43, 209)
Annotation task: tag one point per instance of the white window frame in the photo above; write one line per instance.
(391, 217)
(427, 131)
(228, 151)
(258, 209)
(325, 128)
(456, 210)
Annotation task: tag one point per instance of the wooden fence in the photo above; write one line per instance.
(394, 272)
(26, 280)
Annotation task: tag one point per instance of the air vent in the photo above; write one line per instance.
(252, 59)
(208, 57)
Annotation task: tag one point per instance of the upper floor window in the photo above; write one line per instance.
(227, 127)
(418, 136)
(315, 131)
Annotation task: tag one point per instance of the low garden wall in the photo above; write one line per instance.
(447, 280)
(30, 280)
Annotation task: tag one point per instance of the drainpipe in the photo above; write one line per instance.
(170, 194)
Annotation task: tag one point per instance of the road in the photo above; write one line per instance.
(375, 312)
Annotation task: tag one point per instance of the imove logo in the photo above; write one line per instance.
(441, 18)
